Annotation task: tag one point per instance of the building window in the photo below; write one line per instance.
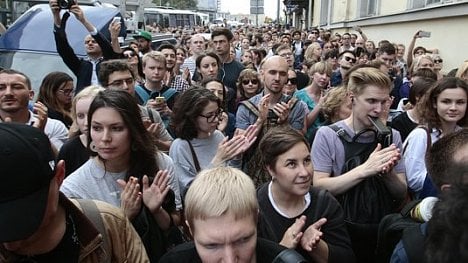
(423, 3)
(368, 8)
(324, 12)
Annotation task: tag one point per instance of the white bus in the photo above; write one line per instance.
(202, 19)
(169, 17)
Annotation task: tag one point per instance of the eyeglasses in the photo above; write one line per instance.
(293, 81)
(247, 81)
(67, 92)
(212, 117)
(353, 60)
(438, 61)
(284, 55)
(120, 82)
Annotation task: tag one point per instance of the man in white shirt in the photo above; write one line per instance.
(15, 93)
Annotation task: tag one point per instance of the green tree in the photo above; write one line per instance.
(178, 4)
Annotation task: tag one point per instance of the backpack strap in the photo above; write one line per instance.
(168, 93)
(340, 132)
(251, 107)
(194, 156)
(413, 241)
(91, 211)
(293, 101)
(428, 140)
(405, 211)
(141, 92)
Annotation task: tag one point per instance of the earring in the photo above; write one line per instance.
(93, 147)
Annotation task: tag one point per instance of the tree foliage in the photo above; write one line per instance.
(178, 4)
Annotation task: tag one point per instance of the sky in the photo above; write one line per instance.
(243, 7)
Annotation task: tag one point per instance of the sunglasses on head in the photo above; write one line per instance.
(293, 81)
(353, 60)
(247, 81)
(129, 54)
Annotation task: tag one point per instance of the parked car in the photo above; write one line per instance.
(29, 46)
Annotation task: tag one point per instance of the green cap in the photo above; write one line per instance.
(144, 34)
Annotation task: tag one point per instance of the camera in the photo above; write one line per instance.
(65, 4)
(384, 134)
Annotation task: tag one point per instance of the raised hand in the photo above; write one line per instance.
(40, 111)
(312, 235)
(293, 234)
(381, 160)
(281, 109)
(130, 197)
(154, 194)
(263, 107)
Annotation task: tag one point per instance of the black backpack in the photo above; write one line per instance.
(366, 203)
(400, 226)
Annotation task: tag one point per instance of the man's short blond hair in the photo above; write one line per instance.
(364, 77)
(220, 191)
(155, 55)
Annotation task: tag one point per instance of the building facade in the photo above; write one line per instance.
(398, 21)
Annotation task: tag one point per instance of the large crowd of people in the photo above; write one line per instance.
(259, 144)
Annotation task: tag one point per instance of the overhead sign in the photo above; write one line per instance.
(258, 3)
(257, 10)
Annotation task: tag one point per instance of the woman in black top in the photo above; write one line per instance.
(292, 212)
(74, 151)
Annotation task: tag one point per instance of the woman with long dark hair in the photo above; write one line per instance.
(56, 93)
(442, 111)
(127, 170)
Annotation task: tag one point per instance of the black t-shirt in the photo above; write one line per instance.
(404, 125)
(67, 250)
(266, 252)
(74, 153)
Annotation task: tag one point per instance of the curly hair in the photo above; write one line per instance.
(426, 109)
(188, 108)
(335, 98)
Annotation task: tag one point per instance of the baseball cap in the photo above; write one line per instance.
(143, 34)
(26, 169)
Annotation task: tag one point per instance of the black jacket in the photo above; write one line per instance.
(82, 68)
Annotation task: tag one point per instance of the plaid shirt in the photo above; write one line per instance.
(179, 84)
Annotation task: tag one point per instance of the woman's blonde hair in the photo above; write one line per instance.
(88, 92)
(462, 71)
(321, 67)
(309, 53)
(335, 98)
(220, 191)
